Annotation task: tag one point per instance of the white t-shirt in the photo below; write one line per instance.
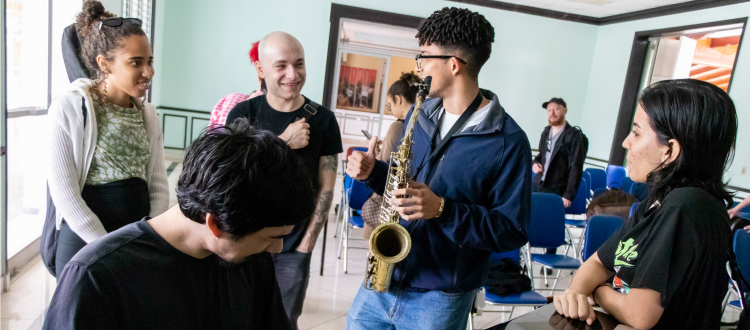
(450, 119)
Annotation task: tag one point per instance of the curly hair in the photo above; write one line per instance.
(703, 119)
(459, 30)
(100, 41)
(406, 87)
(247, 178)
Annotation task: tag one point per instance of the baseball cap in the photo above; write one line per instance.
(554, 100)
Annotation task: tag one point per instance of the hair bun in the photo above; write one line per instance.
(92, 11)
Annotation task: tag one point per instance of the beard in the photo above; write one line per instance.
(558, 122)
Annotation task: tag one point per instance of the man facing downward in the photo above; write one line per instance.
(203, 264)
(470, 198)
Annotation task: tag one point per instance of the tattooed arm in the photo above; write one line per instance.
(326, 182)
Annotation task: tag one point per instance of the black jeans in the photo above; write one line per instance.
(116, 204)
(293, 275)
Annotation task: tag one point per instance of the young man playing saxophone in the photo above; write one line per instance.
(472, 167)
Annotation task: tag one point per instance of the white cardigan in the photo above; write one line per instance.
(72, 150)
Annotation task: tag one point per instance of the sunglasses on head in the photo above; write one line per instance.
(117, 21)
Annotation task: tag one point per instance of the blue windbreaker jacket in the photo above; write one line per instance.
(485, 177)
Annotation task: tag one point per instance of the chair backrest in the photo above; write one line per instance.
(598, 178)
(639, 191)
(578, 204)
(634, 208)
(515, 255)
(352, 149)
(546, 228)
(615, 174)
(357, 193)
(627, 183)
(741, 247)
(587, 176)
(598, 231)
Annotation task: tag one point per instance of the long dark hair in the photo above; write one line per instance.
(100, 41)
(702, 118)
(406, 86)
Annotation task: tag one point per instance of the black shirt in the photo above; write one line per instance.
(325, 140)
(133, 279)
(678, 249)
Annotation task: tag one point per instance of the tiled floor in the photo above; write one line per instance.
(328, 296)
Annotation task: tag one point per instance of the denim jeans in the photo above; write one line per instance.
(293, 274)
(408, 309)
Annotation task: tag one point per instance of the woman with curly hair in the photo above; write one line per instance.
(107, 165)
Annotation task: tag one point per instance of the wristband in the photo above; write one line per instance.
(442, 204)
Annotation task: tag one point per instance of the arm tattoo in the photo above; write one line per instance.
(321, 213)
(330, 163)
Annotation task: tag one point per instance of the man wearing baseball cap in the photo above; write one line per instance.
(559, 163)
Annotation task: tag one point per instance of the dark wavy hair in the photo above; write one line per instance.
(100, 41)
(702, 118)
(247, 178)
(406, 86)
(459, 31)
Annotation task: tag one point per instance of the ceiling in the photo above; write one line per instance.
(595, 8)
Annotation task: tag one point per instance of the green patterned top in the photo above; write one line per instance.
(122, 149)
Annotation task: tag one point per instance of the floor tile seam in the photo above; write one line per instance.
(325, 322)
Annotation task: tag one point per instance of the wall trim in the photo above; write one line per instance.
(614, 19)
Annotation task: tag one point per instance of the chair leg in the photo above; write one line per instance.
(471, 321)
(528, 263)
(346, 247)
(510, 315)
(341, 240)
(554, 285)
(544, 272)
(339, 215)
(726, 301)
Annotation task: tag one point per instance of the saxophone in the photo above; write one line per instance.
(390, 242)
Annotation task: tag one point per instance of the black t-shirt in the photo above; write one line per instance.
(325, 140)
(678, 249)
(133, 279)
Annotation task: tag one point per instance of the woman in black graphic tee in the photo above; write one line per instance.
(669, 258)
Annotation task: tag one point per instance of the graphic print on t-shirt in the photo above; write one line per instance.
(624, 258)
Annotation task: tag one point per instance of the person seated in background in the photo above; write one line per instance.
(668, 259)
(734, 211)
(401, 95)
(205, 263)
(227, 103)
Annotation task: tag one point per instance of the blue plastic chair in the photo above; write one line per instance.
(599, 191)
(546, 229)
(527, 298)
(355, 196)
(598, 178)
(741, 247)
(626, 184)
(634, 208)
(577, 207)
(587, 176)
(615, 174)
(342, 205)
(598, 231)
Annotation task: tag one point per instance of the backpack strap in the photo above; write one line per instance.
(311, 109)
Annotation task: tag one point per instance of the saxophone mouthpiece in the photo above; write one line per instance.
(424, 87)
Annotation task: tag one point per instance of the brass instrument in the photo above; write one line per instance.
(390, 242)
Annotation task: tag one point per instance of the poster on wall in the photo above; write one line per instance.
(357, 89)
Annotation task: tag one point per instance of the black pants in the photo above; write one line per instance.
(293, 275)
(116, 204)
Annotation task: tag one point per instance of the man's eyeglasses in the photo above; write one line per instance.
(419, 58)
(117, 21)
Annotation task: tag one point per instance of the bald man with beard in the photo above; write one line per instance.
(313, 132)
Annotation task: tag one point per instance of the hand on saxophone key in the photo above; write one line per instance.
(423, 203)
(359, 164)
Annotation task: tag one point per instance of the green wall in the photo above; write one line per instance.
(201, 53)
(610, 64)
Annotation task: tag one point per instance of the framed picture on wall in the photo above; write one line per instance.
(357, 89)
